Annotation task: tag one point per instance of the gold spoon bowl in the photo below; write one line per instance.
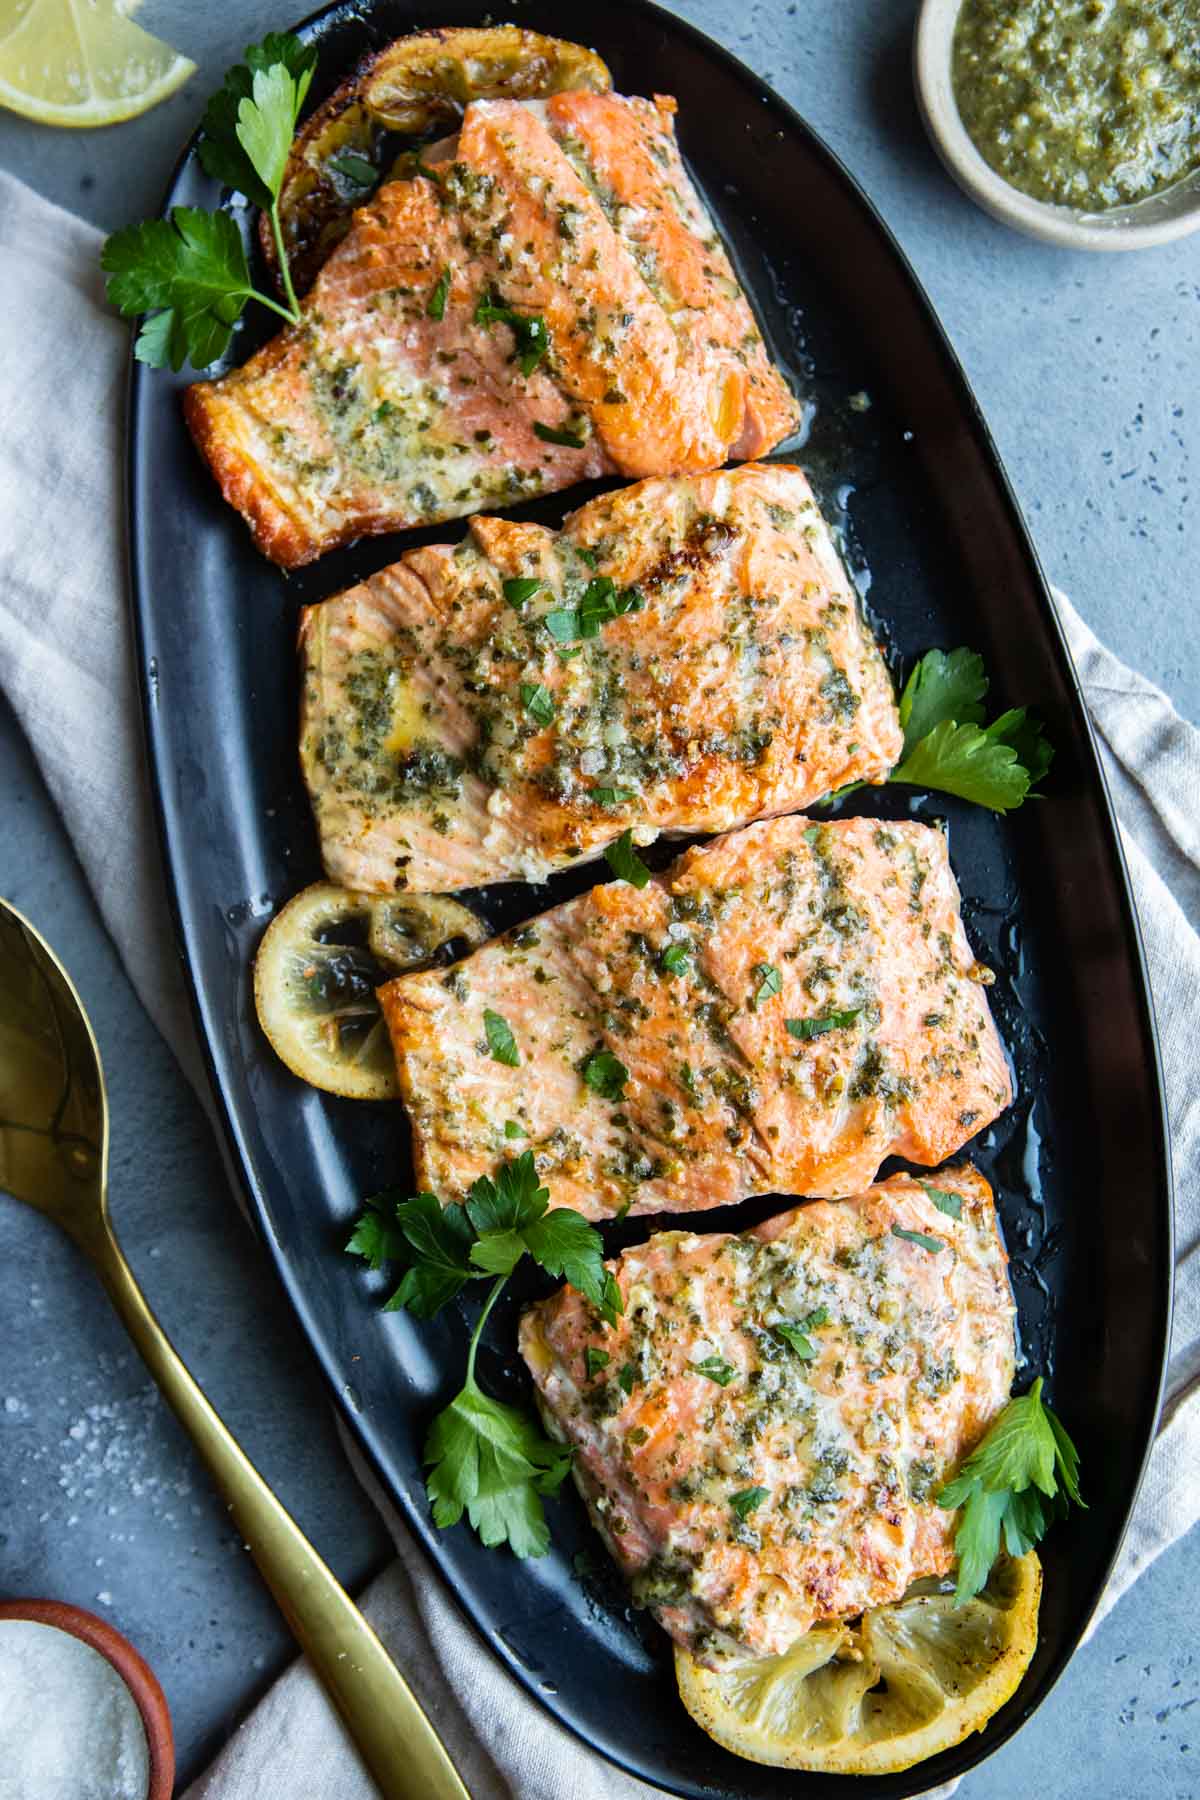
(54, 1157)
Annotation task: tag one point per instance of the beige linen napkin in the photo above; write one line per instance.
(65, 663)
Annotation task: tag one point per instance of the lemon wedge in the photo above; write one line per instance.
(317, 968)
(84, 62)
(877, 1695)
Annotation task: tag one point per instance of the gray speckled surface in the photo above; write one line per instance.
(1086, 370)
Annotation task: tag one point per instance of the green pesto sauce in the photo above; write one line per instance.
(1082, 103)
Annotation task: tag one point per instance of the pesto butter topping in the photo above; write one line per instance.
(1082, 103)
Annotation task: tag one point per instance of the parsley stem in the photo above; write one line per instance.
(481, 1321)
(276, 232)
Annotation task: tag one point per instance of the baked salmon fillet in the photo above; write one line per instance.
(686, 654)
(761, 1438)
(779, 1012)
(543, 300)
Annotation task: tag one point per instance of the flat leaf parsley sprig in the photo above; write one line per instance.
(189, 273)
(485, 1458)
(948, 747)
(1016, 1482)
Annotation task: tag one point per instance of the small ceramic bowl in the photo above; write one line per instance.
(1139, 226)
(137, 1675)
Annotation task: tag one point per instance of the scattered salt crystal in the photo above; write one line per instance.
(104, 1598)
(12, 1404)
(70, 1726)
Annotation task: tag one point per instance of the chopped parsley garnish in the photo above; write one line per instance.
(1017, 1480)
(520, 588)
(600, 601)
(355, 169)
(605, 1074)
(806, 1029)
(675, 957)
(514, 1130)
(932, 1244)
(611, 796)
(625, 862)
(485, 1458)
(950, 1204)
(627, 1377)
(530, 336)
(716, 1369)
(594, 1361)
(502, 1045)
(795, 1335)
(748, 1501)
(189, 273)
(560, 434)
(435, 306)
(770, 981)
(538, 702)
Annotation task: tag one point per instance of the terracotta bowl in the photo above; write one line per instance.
(137, 1675)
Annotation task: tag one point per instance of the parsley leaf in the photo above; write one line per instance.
(944, 1200)
(595, 1360)
(375, 1238)
(484, 1457)
(601, 601)
(520, 588)
(770, 982)
(193, 267)
(796, 1335)
(538, 702)
(796, 1339)
(625, 862)
(943, 685)
(531, 338)
(610, 796)
(435, 306)
(674, 958)
(932, 1244)
(189, 272)
(1015, 1482)
(493, 1462)
(555, 434)
(605, 1074)
(716, 1369)
(947, 747)
(501, 1043)
(975, 764)
(357, 170)
(807, 1029)
(627, 1376)
(512, 1129)
(748, 1500)
(223, 153)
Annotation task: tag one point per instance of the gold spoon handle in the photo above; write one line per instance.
(393, 1735)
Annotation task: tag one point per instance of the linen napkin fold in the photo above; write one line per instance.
(66, 666)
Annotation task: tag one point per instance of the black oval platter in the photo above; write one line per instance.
(931, 529)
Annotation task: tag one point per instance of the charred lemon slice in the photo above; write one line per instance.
(317, 969)
(875, 1696)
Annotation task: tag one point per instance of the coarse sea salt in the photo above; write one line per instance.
(69, 1727)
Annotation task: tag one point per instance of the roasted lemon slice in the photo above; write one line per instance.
(84, 62)
(317, 969)
(880, 1694)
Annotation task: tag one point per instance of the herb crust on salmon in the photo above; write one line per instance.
(542, 300)
(686, 654)
(779, 1012)
(761, 1437)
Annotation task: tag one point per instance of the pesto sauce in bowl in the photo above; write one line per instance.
(1083, 103)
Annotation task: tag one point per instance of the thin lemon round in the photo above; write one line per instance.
(875, 1696)
(84, 63)
(318, 966)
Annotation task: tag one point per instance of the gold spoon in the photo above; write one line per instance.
(54, 1156)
